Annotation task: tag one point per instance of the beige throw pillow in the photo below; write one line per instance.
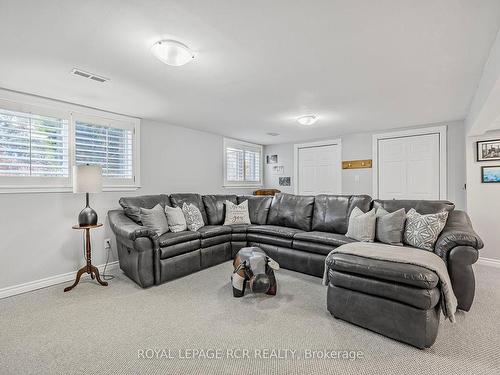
(154, 219)
(175, 218)
(362, 225)
(237, 213)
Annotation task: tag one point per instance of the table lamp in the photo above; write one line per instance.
(87, 179)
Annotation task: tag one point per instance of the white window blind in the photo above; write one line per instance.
(107, 146)
(33, 145)
(242, 163)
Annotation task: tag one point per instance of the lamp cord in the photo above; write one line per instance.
(104, 276)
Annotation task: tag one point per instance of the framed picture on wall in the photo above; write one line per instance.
(271, 159)
(488, 150)
(490, 174)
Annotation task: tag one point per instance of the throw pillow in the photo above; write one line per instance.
(422, 231)
(362, 225)
(154, 219)
(175, 218)
(390, 226)
(194, 220)
(237, 213)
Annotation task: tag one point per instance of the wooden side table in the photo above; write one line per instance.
(88, 268)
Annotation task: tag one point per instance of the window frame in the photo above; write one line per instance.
(15, 101)
(246, 146)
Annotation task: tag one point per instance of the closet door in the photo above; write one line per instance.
(319, 170)
(409, 167)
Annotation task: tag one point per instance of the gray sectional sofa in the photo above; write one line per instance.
(299, 232)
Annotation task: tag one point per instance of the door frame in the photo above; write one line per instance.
(297, 146)
(441, 130)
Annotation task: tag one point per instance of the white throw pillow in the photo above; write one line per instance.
(175, 218)
(154, 219)
(422, 231)
(194, 220)
(362, 225)
(237, 213)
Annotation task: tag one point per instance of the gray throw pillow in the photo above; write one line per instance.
(237, 213)
(194, 219)
(362, 225)
(390, 226)
(154, 219)
(176, 219)
(422, 231)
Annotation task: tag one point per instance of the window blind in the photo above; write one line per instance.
(107, 146)
(242, 163)
(32, 145)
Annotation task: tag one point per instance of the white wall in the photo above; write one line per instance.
(483, 200)
(36, 236)
(359, 146)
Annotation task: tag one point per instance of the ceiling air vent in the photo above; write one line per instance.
(84, 74)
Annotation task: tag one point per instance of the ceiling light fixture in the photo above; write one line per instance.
(307, 119)
(172, 52)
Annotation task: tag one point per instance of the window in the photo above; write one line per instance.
(39, 146)
(242, 163)
(108, 144)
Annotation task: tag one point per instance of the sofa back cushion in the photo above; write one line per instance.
(290, 210)
(331, 212)
(258, 207)
(189, 198)
(215, 207)
(421, 206)
(132, 205)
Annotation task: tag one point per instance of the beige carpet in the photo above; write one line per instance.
(97, 330)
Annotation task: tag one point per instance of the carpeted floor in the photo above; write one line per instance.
(96, 330)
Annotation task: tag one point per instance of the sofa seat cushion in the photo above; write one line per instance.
(417, 297)
(173, 238)
(179, 249)
(408, 274)
(214, 230)
(274, 230)
(330, 239)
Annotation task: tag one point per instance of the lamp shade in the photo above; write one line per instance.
(87, 178)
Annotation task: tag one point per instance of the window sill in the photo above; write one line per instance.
(241, 186)
(57, 189)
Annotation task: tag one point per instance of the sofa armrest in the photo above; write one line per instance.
(457, 232)
(129, 231)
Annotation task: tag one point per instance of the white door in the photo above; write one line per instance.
(409, 167)
(319, 170)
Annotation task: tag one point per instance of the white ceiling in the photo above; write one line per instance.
(359, 65)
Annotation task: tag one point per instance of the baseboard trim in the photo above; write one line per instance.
(49, 281)
(489, 262)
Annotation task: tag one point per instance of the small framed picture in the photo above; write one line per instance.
(271, 159)
(488, 150)
(490, 174)
(284, 181)
(278, 169)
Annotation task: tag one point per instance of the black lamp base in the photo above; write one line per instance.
(87, 216)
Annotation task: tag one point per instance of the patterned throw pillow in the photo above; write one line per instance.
(422, 231)
(237, 213)
(194, 220)
(362, 225)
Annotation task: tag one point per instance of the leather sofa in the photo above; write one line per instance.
(297, 231)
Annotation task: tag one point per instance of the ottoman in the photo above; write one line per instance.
(400, 301)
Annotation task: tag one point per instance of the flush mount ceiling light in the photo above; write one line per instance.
(172, 52)
(307, 119)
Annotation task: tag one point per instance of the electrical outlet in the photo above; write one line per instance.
(107, 243)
